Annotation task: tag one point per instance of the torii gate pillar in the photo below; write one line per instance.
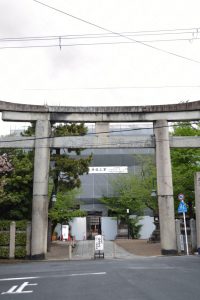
(40, 191)
(165, 189)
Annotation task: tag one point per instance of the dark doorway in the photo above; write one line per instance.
(93, 224)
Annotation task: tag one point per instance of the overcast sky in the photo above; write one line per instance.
(113, 69)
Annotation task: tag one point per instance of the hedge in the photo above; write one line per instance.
(20, 252)
(4, 252)
(21, 225)
(20, 238)
(4, 238)
(5, 224)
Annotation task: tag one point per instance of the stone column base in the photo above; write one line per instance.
(38, 257)
(169, 252)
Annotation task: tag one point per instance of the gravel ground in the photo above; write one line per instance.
(140, 247)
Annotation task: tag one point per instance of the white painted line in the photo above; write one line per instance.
(87, 274)
(18, 278)
(151, 268)
(53, 276)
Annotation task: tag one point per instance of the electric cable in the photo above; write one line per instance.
(110, 31)
(115, 87)
(87, 44)
(192, 31)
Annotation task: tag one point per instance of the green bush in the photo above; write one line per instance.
(4, 252)
(134, 227)
(20, 238)
(5, 224)
(21, 225)
(20, 252)
(4, 238)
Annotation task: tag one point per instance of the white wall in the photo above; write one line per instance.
(109, 228)
(78, 228)
(147, 228)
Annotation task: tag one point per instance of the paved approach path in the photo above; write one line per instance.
(85, 250)
(124, 249)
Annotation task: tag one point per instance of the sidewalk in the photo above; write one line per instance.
(59, 251)
(123, 248)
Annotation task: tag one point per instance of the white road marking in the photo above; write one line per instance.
(50, 276)
(87, 274)
(18, 278)
(19, 289)
(151, 268)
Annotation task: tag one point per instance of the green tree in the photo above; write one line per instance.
(185, 162)
(133, 192)
(16, 186)
(67, 168)
(65, 208)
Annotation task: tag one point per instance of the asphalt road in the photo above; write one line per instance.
(163, 278)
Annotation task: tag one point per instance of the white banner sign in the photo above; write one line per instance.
(99, 244)
(65, 232)
(108, 170)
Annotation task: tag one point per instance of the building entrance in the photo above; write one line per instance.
(93, 222)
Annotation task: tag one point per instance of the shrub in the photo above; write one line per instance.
(5, 225)
(4, 238)
(20, 252)
(134, 227)
(20, 238)
(21, 225)
(4, 252)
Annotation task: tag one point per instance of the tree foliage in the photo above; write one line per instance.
(16, 186)
(133, 192)
(65, 208)
(67, 168)
(185, 163)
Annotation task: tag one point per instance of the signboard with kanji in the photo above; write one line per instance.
(99, 243)
(108, 170)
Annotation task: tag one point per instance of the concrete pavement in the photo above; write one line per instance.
(121, 249)
(85, 250)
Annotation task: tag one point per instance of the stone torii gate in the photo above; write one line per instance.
(160, 115)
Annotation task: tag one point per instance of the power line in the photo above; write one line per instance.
(193, 31)
(61, 45)
(116, 88)
(110, 31)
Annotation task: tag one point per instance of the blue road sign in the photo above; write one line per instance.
(182, 208)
